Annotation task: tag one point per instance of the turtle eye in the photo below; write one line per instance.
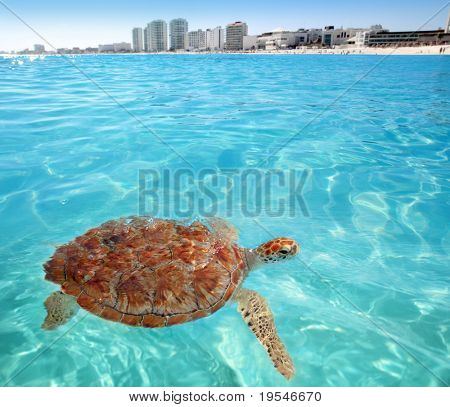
(284, 251)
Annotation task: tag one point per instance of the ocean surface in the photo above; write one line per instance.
(366, 303)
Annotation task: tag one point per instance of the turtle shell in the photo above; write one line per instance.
(148, 272)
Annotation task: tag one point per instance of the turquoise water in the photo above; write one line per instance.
(377, 233)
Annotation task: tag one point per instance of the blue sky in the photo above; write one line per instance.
(87, 23)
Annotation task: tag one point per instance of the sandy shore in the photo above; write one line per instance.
(420, 50)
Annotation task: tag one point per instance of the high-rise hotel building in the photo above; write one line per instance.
(235, 35)
(195, 40)
(178, 29)
(147, 37)
(158, 36)
(138, 45)
(215, 38)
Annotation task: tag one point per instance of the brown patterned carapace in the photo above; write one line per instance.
(148, 272)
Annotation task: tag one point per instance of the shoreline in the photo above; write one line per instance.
(417, 50)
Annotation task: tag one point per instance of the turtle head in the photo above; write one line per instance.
(277, 249)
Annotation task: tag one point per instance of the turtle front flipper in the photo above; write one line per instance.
(60, 308)
(258, 317)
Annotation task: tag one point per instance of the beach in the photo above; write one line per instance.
(416, 50)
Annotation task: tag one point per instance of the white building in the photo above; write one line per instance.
(157, 36)
(106, 48)
(327, 35)
(138, 44)
(147, 38)
(122, 47)
(249, 42)
(39, 49)
(208, 38)
(235, 35)
(359, 39)
(178, 29)
(278, 39)
(341, 36)
(284, 39)
(116, 47)
(302, 37)
(314, 35)
(195, 40)
(215, 39)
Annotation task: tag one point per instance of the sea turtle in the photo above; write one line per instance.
(154, 273)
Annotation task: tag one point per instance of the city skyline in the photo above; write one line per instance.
(73, 26)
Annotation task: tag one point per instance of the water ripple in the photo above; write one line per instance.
(378, 234)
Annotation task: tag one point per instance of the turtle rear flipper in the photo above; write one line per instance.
(60, 308)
